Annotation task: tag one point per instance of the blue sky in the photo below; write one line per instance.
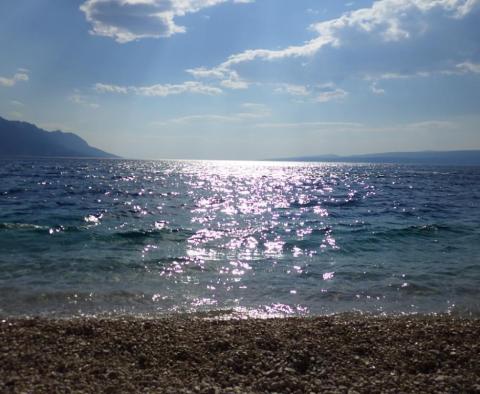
(239, 79)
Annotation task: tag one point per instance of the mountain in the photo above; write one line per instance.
(457, 157)
(25, 139)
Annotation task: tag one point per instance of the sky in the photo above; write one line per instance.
(245, 79)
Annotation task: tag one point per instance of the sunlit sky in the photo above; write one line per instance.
(245, 79)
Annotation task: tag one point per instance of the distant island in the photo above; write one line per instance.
(22, 139)
(454, 157)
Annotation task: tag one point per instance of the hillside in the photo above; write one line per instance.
(458, 157)
(25, 140)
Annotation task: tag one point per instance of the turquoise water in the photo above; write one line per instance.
(89, 237)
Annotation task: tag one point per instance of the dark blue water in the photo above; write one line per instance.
(83, 237)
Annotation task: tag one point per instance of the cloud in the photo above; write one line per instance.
(229, 79)
(253, 111)
(20, 76)
(129, 20)
(330, 94)
(160, 90)
(196, 119)
(169, 89)
(355, 127)
(312, 125)
(389, 39)
(233, 81)
(83, 100)
(104, 88)
(469, 67)
(376, 90)
(249, 112)
(458, 69)
(292, 89)
(317, 93)
(431, 124)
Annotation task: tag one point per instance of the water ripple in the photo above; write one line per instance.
(102, 236)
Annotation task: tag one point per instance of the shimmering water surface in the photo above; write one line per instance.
(254, 238)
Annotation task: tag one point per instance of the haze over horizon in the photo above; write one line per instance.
(245, 79)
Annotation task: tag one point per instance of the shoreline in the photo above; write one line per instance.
(175, 354)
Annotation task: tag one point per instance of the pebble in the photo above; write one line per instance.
(194, 355)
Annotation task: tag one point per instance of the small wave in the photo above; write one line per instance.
(22, 226)
(302, 244)
(322, 231)
(140, 234)
(16, 190)
(28, 227)
(347, 202)
(309, 204)
(419, 230)
(418, 289)
(164, 233)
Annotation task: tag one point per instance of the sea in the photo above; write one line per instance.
(90, 237)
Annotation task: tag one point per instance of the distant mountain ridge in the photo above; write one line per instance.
(454, 157)
(22, 139)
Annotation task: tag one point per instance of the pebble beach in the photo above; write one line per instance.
(203, 354)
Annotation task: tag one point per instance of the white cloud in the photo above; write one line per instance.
(228, 79)
(330, 94)
(419, 74)
(195, 119)
(83, 100)
(249, 112)
(355, 127)
(469, 67)
(171, 89)
(318, 93)
(392, 19)
(292, 89)
(104, 88)
(253, 111)
(20, 76)
(384, 22)
(160, 90)
(17, 103)
(129, 20)
(312, 11)
(431, 124)
(376, 90)
(312, 125)
(203, 72)
(459, 69)
(233, 81)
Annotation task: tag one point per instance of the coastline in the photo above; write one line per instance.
(341, 353)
